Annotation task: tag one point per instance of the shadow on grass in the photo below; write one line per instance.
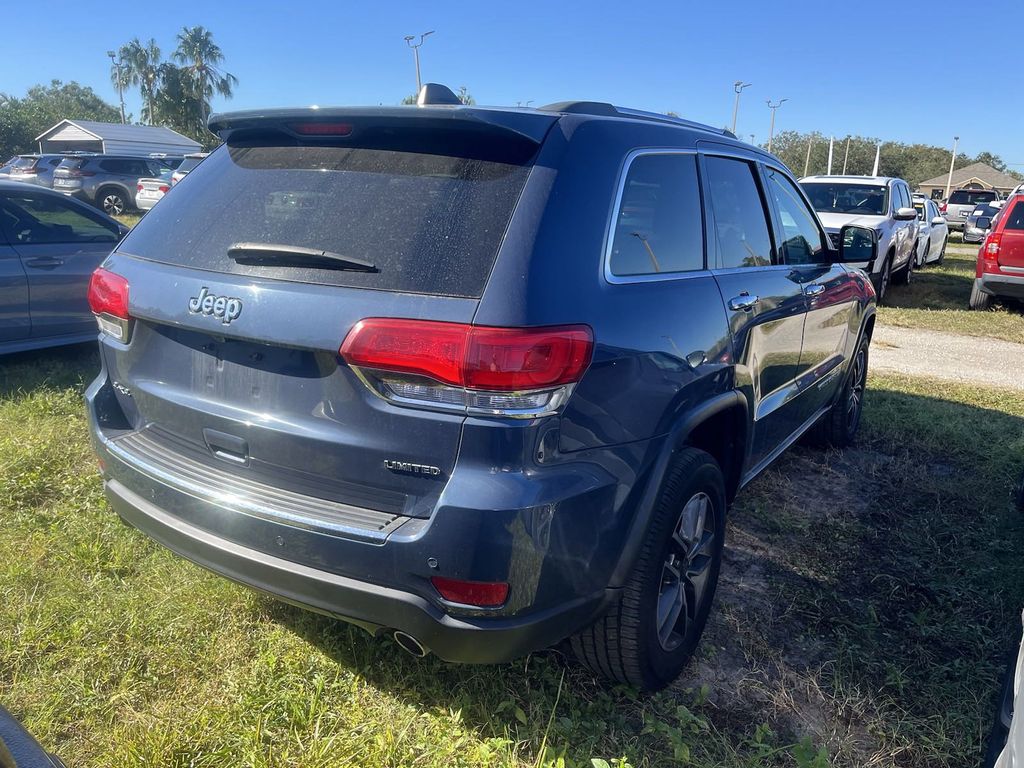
(866, 602)
(57, 367)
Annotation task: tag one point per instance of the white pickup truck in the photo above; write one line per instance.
(878, 202)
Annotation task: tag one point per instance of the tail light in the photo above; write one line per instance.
(942, 207)
(517, 372)
(164, 188)
(139, 187)
(480, 594)
(27, 171)
(988, 256)
(108, 300)
(78, 173)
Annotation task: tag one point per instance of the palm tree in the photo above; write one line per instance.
(140, 65)
(201, 58)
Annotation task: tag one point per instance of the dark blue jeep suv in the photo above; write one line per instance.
(484, 380)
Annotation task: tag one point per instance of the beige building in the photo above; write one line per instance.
(974, 176)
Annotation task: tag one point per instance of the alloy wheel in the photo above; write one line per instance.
(113, 204)
(684, 574)
(855, 398)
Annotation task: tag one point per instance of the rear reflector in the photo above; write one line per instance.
(474, 357)
(482, 594)
(322, 129)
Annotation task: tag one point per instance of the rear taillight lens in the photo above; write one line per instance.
(988, 256)
(942, 208)
(108, 300)
(139, 187)
(78, 173)
(480, 594)
(165, 188)
(499, 371)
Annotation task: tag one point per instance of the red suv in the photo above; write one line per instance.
(1000, 269)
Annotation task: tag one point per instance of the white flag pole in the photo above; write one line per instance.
(878, 154)
(831, 145)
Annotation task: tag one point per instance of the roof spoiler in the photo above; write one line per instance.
(437, 107)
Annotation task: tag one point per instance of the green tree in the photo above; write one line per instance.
(42, 107)
(177, 105)
(140, 66)
(202, 59)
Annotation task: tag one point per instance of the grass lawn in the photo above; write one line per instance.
(868, 599)
(130, 219)
(937, 298)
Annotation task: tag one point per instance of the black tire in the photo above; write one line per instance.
(942, 253)
(923, 261)
(979, 299)
(112, 201)
(838, 428)
(906, 274)
(652, 630)
(881, 281)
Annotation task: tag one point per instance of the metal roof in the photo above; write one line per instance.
(126, 134)
(984, 173)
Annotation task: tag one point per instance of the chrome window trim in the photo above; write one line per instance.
(609, 235)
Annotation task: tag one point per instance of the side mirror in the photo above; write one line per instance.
(858, 245)
(122, 230)
(938, 220)
(983, 222)
(906, 214)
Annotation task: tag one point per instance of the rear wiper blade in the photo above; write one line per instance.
(295, 256)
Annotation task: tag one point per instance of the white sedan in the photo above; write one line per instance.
(148, 192)
(932, 233)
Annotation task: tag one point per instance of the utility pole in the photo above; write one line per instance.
(847, 155)
(807, 160)
(116, 61)
(952, 161)
(738, 86)
(771, 130)
(416, 54)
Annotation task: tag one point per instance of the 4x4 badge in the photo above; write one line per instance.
(226, 308)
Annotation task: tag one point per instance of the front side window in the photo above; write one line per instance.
(30, 220)
(860, 199)
(659, 227)
(801, 241)
(740, 224)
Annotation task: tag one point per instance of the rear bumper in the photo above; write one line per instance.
(1011, 286)
(146, 203)
(485, 640)
(555, 534)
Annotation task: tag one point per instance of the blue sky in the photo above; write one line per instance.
(885, 76)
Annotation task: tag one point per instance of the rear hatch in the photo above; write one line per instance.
(962, 202)
(234, 358)
(69, 174)
(1011, 240)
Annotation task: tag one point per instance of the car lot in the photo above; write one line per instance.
(125, 654)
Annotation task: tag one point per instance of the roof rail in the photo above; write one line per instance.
(604, 109)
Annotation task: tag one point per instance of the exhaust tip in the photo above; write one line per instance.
(409, 644)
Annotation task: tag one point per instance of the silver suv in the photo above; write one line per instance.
(107, 181)
(962, 202)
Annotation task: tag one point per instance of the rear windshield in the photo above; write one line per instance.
(25, 162)
(188, 164)
(430, 223)
(72, 162)
(864, 199)
(971, 196)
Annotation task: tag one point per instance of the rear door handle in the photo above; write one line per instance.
(44, 262)
(814, 290)
(743, 303)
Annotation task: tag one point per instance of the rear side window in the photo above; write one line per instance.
(33, 219)
(971, 196)
(1016, 218)
(740, 225)
(659, 227)
(429, 223)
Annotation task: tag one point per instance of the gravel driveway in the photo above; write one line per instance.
(966, 359)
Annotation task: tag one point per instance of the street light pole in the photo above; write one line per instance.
(738, 86)
(952, 161)
(116, 61)
(771, 130)
(416, 54)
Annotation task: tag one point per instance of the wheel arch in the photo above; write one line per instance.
(721, 427)
(116, 186)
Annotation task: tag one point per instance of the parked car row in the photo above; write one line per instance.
(907, 236)
(107, 181)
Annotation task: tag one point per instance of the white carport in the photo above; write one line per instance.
(114, 139)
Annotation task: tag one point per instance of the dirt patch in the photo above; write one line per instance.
(759, 662)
